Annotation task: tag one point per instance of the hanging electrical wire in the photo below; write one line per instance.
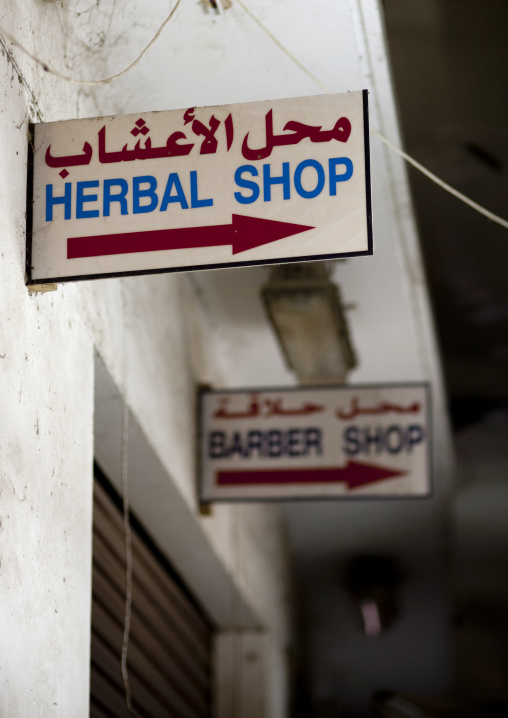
(89, 83)
(128, 559)
(444, 185)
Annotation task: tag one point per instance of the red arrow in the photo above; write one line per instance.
(354, 474)
(243, 233)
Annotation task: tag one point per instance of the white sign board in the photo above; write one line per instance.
(341, 442)
(254, 183)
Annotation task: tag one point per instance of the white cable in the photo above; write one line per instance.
(89, 83)
(440, 182)
(404, 155)
(274, 39)
(128, 559)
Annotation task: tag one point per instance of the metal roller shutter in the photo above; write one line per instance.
(170, 639)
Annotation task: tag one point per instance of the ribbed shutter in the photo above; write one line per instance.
(170, 640)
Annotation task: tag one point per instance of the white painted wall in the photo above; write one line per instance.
(155, 345)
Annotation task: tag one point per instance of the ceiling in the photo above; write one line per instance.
(448, 61)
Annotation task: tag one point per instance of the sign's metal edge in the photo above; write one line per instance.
(198, 267)
(202, 389)
(368, 189)
(299, 499)
(430, 440)
(29, 205)
(321, 387)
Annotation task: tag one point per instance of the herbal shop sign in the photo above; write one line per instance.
(251, 183)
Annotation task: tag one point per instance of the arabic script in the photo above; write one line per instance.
(265, 409)
(382, 408)
(180, 144)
